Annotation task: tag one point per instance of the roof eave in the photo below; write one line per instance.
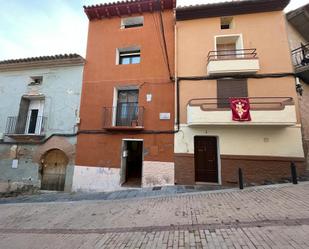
(127, 8)
(42, 64)
(229, 8)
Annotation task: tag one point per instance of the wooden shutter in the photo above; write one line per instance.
(22, 116)
(226, 51)
(230, 88)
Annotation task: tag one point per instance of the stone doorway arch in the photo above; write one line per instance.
(53, 170)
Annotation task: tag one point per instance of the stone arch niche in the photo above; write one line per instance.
(53, 170)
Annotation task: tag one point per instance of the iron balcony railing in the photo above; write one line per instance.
(34, 125)
(300, 56)
(124, 115)
(249, 53)
(256, 103)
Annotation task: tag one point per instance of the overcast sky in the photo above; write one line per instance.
(45, 27)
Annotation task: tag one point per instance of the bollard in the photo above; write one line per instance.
(294, 173)
(241, 179)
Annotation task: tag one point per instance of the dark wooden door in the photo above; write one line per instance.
(206, 161)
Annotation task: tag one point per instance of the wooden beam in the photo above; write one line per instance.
(107, 13)
(129, 10)
(117, 10)
(162, 5)
(97, 14)
(139, 8)
(150, 7)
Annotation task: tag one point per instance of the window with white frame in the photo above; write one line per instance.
(132, 22)
(228, 46)
(129, 56)
(126, 108)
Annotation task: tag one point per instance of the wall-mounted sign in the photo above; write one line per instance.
(165, 116)
(15, 164)
(149, 97)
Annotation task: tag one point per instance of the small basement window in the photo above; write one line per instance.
(129, 56)
(226, 22)
(132, 22)
(36, 80)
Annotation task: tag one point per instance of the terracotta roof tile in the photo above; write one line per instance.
(125, 8)
(42, 58)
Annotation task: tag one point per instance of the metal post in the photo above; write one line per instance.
(294, 173)
(241, 179)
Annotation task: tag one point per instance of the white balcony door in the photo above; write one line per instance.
(35, 117)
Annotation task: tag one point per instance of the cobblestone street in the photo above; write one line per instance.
(261, 217)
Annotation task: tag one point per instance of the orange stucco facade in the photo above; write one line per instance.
(102, 75)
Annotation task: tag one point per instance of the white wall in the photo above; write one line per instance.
(61, 87)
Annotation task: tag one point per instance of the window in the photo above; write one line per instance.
(129, 56)
(230, 88)
(30, 117)
(35, 80)
(229, 46)
(127, 108)
(132, 22)
(226, 22)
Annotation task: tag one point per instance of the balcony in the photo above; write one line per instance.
(300, 59)
(264, 111)
(238, 61)
(25, 127)
(123, 117)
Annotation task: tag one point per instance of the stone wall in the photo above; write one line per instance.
(29, 160)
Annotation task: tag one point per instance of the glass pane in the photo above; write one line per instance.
(122, 96)
(132, 96)
(124, 60)
(136, 59)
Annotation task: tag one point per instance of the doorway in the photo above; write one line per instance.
(53, 170)
(206, 159)
(132, 163)
(34, 117)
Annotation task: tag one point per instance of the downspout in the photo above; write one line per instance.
(177, 98)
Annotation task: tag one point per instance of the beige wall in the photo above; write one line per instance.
(267, 87)
(264, 31)
(267, 33)
(295, 38)
(240, 140)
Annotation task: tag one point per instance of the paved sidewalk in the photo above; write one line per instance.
(263, 217)
(50, 196)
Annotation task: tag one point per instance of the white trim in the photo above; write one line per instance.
(115, 98)
(239, 45)
(128, 50)
(131, 139)
(35, 104)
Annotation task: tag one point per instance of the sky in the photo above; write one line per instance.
(30, 28)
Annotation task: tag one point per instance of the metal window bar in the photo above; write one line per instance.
(249, 53)
(256, 103)
(19, 127)
(124, 115)
(300, 56)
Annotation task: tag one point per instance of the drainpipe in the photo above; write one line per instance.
(177, 98)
